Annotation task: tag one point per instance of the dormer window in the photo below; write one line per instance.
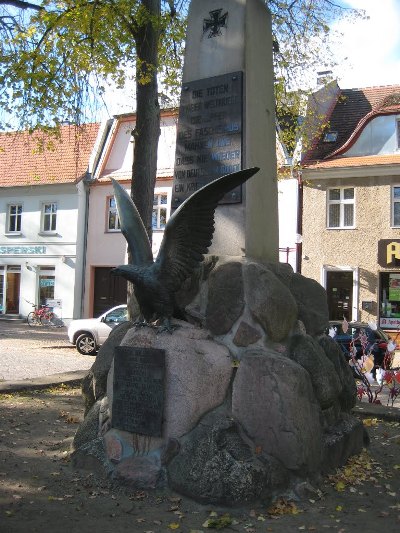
(330, 136)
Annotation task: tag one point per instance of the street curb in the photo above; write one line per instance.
(375, 410)
(71, 378)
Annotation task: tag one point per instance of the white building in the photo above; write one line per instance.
(42, 219)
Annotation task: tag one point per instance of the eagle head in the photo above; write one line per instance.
(129, 272)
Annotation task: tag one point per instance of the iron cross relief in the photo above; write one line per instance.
(215, 23)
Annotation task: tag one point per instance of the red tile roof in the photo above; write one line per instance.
(353, 110)
(355, 161)
(41, 158)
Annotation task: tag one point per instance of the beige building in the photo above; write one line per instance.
(351, 202)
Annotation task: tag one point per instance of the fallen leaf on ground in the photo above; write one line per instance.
(282, 507)
(218, 522)
(370, 422)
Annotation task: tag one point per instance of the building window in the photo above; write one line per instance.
(112, 215)
(160, 210)
(49, 217)
(341, 207)
(14, 218)
(396, 205)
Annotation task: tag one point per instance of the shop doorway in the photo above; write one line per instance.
(339, 288)
(109, 290)
(13, 281)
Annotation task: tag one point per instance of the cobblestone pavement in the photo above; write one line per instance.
(31, 352)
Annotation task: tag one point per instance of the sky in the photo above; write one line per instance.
(371, 47)
(367, 51)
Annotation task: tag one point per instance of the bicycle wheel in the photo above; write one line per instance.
(46, 318)
(32, 319)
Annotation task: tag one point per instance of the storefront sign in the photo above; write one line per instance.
(23, 250)
(45, 282)
(51, 302)
(389, 323)
(389, 253)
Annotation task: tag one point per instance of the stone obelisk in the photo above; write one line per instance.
(227, 121)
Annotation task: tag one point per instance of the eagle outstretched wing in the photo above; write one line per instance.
(188, 233)
(132, 227)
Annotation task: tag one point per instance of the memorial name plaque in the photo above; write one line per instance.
(209, 135)
(138, 390)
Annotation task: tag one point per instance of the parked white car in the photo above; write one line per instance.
(88, 334)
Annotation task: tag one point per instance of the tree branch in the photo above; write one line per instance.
(21, 4)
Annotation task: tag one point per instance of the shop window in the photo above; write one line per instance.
(46, 284)
(112, 215)
(160, 210)
(390, 299)
(340, 207)
(14, 218)
(49, 217)
(396, 205)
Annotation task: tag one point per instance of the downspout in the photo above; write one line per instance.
(84, 250)
(299, 244)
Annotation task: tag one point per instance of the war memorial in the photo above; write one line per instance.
(243, 397)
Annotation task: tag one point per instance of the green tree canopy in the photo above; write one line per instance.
(55, 62)
(58, 55)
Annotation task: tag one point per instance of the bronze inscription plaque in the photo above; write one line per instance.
(138, 391)
(209, 135)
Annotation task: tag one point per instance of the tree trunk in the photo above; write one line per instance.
(147, 130)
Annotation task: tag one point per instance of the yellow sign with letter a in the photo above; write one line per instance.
(389, 253)
(392, 252)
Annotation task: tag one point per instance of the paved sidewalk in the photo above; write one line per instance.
(37, 353)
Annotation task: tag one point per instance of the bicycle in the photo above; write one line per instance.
(39, 317)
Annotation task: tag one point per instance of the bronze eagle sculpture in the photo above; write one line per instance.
(187, 237)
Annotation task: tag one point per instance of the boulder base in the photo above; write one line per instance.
(256, 405)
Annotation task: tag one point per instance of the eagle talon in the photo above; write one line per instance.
(143, 324)
(167, 327)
